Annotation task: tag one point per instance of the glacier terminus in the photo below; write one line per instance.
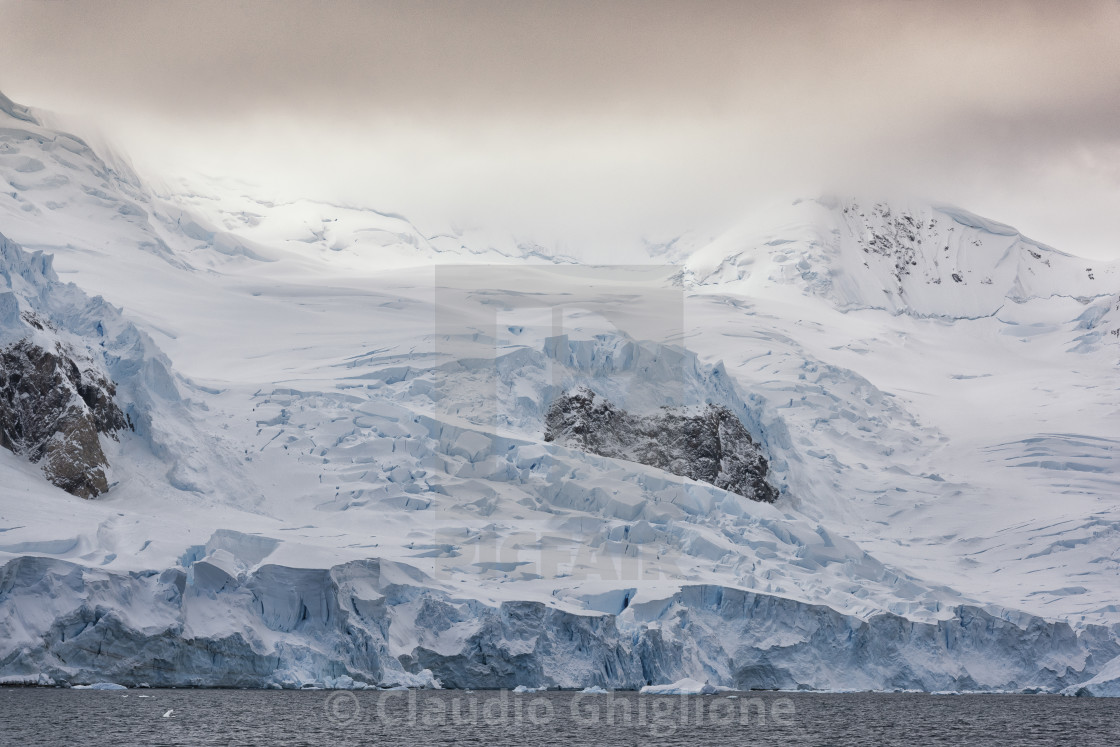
(846, 444)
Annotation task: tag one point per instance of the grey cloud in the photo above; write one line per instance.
(625, 113)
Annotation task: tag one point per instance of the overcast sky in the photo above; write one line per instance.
(587, 120)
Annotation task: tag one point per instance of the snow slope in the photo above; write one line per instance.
(350, 482)
(1015, 479)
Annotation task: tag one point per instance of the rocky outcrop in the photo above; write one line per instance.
(73, 371)
(53, 410)
(711, 446)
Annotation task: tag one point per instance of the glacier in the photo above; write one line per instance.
(383, 624)
(339, 474)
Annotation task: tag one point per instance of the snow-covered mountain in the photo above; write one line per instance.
(907, 258)
(340, 468)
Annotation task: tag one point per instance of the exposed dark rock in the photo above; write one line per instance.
(712, 446)
(52, 411)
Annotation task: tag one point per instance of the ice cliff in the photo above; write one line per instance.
(383, 623)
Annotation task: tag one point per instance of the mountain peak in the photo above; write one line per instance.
(904, 256)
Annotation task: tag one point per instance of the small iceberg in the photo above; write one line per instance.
(687, 686)
(100, 686)
(523, 689)
(594, 690)
(343, 682)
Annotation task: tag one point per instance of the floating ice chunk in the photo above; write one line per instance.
(524, 689)
(100, 686)
(687, 686)
(594, 690)
(399, 680)
(343, 682)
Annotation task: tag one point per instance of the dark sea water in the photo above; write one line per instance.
(254, 717)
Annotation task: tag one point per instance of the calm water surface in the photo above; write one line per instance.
(254, 717)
